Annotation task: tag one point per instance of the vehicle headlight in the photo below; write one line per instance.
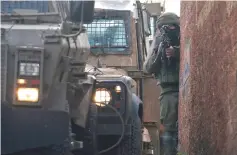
(29, 69)
(28, 94)
(102, 95)
(118, 89)
(29, 79)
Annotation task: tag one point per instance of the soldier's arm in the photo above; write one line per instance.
(148, 65)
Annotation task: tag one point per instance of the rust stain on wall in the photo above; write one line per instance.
(205, 12)
(208, 124)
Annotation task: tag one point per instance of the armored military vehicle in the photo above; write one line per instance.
(44, 89)
(117, 37)
(118, 125)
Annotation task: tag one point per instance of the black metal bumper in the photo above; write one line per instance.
(111, 125)
(27, 128)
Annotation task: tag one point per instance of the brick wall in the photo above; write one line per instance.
(208, 78)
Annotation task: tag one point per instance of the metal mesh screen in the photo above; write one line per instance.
(104, 95)
(8, 6)
(107, 33)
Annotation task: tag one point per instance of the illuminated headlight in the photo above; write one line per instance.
(102, 95)
(28, 94)
(118, 89)
(29, 69)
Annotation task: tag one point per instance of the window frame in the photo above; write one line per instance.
(123, 15)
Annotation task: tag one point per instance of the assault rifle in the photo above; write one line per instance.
(164, 44)
(158, 54)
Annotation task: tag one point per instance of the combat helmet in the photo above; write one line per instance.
(167, 18)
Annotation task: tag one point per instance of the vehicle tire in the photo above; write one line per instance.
(132, 144)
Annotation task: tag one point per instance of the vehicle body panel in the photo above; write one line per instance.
(79, 106)
(108, 121)
(35, 121)
(121, 60)
(128, 62)
(27, 127)
(151, 100)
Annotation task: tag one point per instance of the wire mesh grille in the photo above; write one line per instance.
(107, 33)
(8, 6)
(102, 95)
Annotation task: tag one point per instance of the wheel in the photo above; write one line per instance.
(132, 144)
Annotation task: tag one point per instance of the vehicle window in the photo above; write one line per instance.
(106, 35)
(8, 6)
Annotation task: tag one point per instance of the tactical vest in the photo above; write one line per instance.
(168, 76)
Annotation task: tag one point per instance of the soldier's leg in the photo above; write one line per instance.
(169, 117)
(168, 142)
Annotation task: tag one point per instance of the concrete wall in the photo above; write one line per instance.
(208, 83)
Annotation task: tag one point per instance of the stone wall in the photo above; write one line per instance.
(208, 83)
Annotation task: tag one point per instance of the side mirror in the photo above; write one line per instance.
(81, 11)
(146, 21)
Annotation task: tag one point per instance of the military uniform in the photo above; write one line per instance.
(168, 79)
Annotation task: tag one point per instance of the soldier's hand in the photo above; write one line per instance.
(162, 129)
(170, 52)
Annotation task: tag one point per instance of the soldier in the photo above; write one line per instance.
(168, 80)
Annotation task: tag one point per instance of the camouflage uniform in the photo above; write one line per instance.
(168, 77)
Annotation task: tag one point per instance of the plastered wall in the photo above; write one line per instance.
(208, 78)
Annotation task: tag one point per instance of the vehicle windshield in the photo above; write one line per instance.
(107, 35)
(41, 6)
